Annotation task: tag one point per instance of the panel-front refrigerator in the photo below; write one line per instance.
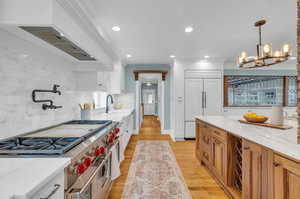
(202, 97)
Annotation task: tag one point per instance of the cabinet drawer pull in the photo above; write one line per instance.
(216, 132)
(276, 164)
(246, 148)
(56, 188)
(205, 155)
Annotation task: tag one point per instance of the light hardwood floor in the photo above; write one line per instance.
(200, 183)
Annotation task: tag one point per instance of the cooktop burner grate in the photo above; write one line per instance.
(38, 145)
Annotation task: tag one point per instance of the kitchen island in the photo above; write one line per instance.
(247, 160)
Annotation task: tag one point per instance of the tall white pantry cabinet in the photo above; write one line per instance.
(203, 96)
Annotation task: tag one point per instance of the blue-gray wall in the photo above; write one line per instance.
(130, 85)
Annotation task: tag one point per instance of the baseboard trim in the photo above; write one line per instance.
(189, 138)
(179, 139)
(165, 131)
(168, 132)
(136, 131)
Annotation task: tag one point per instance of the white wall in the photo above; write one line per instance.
(24, 67)
(178, 71)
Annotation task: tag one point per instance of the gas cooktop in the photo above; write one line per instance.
(29, 144)
(38, 145)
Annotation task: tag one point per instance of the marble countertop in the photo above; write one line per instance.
(115, 115)
(282, 141)
(22, 176)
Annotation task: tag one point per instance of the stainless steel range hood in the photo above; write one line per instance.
(54, 38)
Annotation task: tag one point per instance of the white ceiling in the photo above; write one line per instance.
(153, 30)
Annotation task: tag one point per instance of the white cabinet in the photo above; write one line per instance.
(117, 79)
(193, 98)
(127, 129)
(189, 129)
(54, 189)
(92, 80)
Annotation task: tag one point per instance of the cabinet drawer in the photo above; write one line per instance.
(218, 133)
(54, 189)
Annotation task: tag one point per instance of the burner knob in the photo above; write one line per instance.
(81, 168)
(111, 139)
(99, 151)
(87, 161)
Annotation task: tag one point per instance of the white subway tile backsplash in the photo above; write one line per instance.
(25, 66)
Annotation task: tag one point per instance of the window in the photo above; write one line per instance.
(292, 91)
(150, 100)
(100, 99)
(260, 91)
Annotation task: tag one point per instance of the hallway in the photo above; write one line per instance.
(199, 182)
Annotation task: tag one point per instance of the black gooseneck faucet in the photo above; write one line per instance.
(111, 101)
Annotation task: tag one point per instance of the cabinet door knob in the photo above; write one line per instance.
(276, 164)
(246, 148)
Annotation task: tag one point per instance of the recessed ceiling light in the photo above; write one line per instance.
(189, 29)
(61, 34)
(206, 56)
(128, 55)
(116, 28)
(172, 56)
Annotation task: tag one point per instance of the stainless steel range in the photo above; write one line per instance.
(88, 143)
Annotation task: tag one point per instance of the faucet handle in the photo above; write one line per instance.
(55, 86)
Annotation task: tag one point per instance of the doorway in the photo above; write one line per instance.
(150, 96)
(150, 99)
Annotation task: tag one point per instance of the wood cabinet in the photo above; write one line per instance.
(286, 178)
(203, 143)
(244, 169)
(219, 155)
(212, 149)
(255, 170)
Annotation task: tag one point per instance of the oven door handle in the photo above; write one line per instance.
(78, 193)
(107, 175)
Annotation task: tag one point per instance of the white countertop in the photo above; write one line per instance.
(282, 141)
(115, 115)
(22, 176)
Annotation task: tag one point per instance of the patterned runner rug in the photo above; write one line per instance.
(154, 173)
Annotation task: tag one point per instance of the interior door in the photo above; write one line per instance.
(212, 96)
(193, 98)
(149, 101)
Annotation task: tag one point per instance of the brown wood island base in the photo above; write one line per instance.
(246, 170)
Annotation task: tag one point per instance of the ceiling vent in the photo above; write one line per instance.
(53, 37)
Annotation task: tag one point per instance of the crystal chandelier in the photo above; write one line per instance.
(265, 56)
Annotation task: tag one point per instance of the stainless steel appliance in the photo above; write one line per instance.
(88, 144)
